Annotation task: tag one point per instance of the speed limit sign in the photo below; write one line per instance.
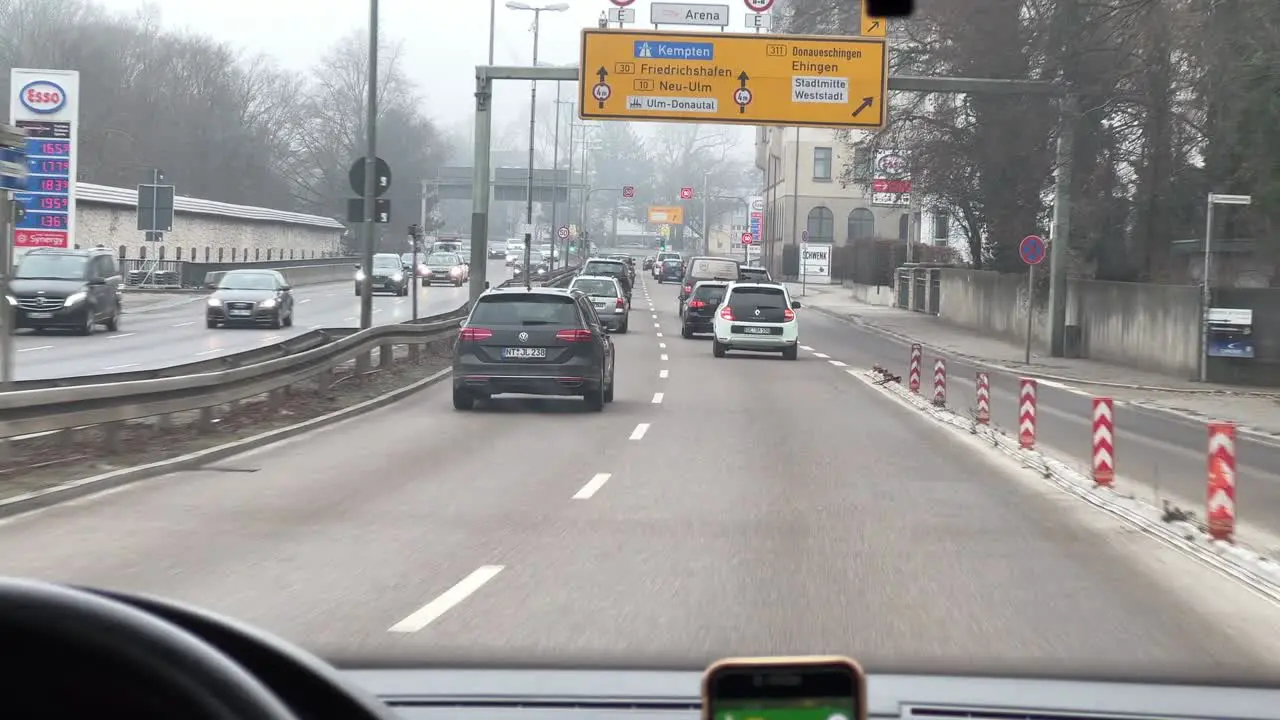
(563, 232)
(759, 5)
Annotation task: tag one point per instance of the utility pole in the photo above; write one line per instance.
(370, 170)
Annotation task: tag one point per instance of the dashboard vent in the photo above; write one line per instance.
(929, 712)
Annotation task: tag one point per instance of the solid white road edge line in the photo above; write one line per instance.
(640, 430)
(593, 485)
(447, 600)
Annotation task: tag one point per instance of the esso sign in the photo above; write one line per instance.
(892, 164)
(43, 97)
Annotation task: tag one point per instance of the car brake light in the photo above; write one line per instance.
(788, 315)
(474, 334)
(620, 302)
(726, 313)
(697, 304)
(688, 289)
(575, 335)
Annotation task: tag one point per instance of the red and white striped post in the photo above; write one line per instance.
(1027, 414)
(1221, 510)
(913, 371)
(1104, 443)
(940, 382)
(984, 399)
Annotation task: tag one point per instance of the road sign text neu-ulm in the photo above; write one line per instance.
(728, 78)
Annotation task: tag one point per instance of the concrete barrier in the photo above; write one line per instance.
(300, 275)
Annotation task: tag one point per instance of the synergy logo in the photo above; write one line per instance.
(662, 50)
(43, 96)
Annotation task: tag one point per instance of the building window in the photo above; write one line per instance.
(821, 225)
(822, 163)
(941, 225)
(862, 225)
(904, 227)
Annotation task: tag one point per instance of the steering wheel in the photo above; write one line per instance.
(206, 683)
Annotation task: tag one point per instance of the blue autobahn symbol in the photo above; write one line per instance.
(663, 50)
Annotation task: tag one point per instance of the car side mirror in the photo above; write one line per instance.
(795, 304)
(286, 288)
(356, 265)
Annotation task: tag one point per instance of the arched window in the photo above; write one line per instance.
(821, 225)
(904, 227)
(862, 225)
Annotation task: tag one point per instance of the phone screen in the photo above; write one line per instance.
(827, 691)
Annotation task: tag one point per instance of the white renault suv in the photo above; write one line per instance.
(759, 317)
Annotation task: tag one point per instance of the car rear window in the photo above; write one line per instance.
(599, 267)
(596, 286)
(532, 309)
(710, 293)
(761, 297)
(709, 268)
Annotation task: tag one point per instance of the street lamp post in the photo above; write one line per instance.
(1205, 295)
(537, 11)
(370, 170)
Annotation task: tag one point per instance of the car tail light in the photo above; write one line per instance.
(726, 313)
(788, 315)
(688, 289)
(620, 302)
(697, 304)
(474, 334)
(575, 335)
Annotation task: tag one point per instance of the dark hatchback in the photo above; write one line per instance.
(700, 313)
(671, 271)
(250, 297)
(56, 288)
(535, 341)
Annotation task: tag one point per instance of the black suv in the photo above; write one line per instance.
(700, 313)
(57, 288)
(535, 341)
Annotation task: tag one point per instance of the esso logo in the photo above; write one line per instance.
(892, 164)
(43, 96)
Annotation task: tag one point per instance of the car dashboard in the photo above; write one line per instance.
(75, 653)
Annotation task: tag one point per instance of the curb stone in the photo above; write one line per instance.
(46, 497)
(1261, 436)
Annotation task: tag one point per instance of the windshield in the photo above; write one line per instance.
(444, 259)
(52, 267)
(238, 280)
(1053, 225)
(596, 287)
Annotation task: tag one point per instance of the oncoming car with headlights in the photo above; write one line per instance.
(445, 267)
(388, 275)
(250, 297)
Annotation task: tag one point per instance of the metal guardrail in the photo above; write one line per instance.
(39, 406)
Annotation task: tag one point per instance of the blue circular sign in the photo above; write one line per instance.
(1032, 249)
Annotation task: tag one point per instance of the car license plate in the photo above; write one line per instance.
(523, 353)
(241, 313)
(757, 330)
(40, 316)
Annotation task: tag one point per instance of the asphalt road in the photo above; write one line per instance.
(1163, 452)
(176, 334)
(719, 506)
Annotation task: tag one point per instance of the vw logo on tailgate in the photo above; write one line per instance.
(524, 337)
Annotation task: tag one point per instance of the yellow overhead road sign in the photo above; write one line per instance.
(729, 78)
(871, 26)
(666, 215)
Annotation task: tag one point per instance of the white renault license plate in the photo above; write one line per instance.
(40, 316)
(757, 330)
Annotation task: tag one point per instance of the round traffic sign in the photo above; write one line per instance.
(746, 238)
(601, 92)
(1032, 249)
(622, 3)
(628, 191)
(804, 236)
(758, 5)
(742, 96)
(563, 232)
(381, 177)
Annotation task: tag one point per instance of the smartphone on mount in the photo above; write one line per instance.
(785, 688)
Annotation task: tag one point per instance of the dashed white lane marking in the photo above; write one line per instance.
(663, 374)
(657, 398)
(315, 327)
(210, 352)
(189, 322)
(33, 349)
(120, 367)
(663, 357)
(117, 336)
(655, 316)
(824, 356)
(304, 300)
(806, 348)
(662, 345)
(447, 600)
(348, 319)
(656, 325)
(837, 363)
(640, 430)
(269, 338)
(593, 485)
(659, 334)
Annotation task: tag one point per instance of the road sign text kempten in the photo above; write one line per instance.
(811, 81)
